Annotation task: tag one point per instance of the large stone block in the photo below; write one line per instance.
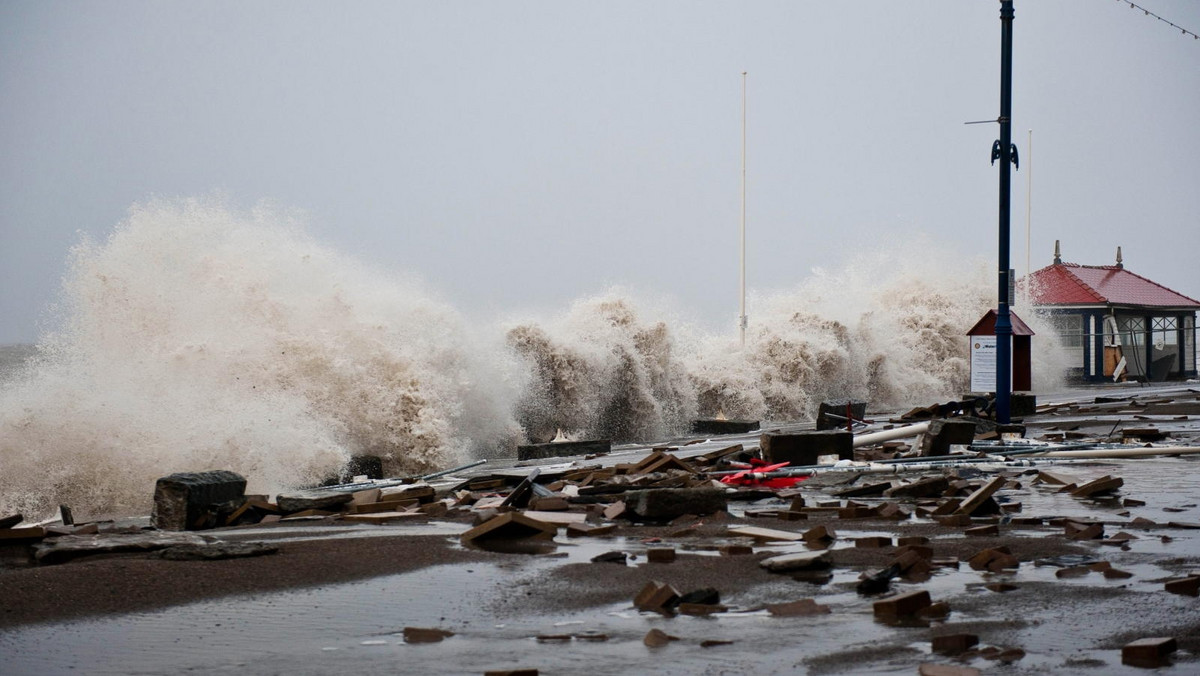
(1021, 405)
(942, 433)
(561, 449)
(182, 501)
(803, 448)
(718, 426)
(858, 411)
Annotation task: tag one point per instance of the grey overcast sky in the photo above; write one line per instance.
(518, 155)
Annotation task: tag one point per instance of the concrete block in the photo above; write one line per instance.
(872, 542)
(664, 504)
(182, 501)
(660, 555)
(903, 605)
(858, 411)
(819, 534)
(1188, 586)
(944, 432)
(891, 511)
(803, 448)
(1021, 405)
(27, 534)
(1148, 652)
(856, 512)
(716, 426)
(953, 644)
(983, 558)
(735, 550)
(564, 449)
(327, 501)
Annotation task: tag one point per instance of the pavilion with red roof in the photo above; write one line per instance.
(1115, 323)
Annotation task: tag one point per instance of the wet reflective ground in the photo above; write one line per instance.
(497, 610)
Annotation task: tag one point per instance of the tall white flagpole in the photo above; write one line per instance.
(1028, 201)
(742, 314)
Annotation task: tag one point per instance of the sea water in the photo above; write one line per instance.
(197, 336)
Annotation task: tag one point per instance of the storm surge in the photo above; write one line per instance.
(201, 337)
(197, 337)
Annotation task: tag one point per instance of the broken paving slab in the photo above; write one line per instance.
(510, 526)
(766, 533)
(1101, 486)
(70, 547)
(656, 597)
(325, 501)
(800, 608)
(183, 500)
(800, 561)
(977, 499)
(903, 605)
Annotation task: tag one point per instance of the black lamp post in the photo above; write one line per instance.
(1004, 151)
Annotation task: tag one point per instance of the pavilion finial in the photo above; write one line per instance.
(1120, 261)
(1057, 253)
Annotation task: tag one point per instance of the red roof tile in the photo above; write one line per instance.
(1072, 284)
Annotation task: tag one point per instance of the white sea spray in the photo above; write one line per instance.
(197, 337)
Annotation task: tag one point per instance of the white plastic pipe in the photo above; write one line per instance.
(888, 435)
(1115, 452)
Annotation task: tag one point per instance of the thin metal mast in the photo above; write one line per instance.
(742, 311)
(1028, 202)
